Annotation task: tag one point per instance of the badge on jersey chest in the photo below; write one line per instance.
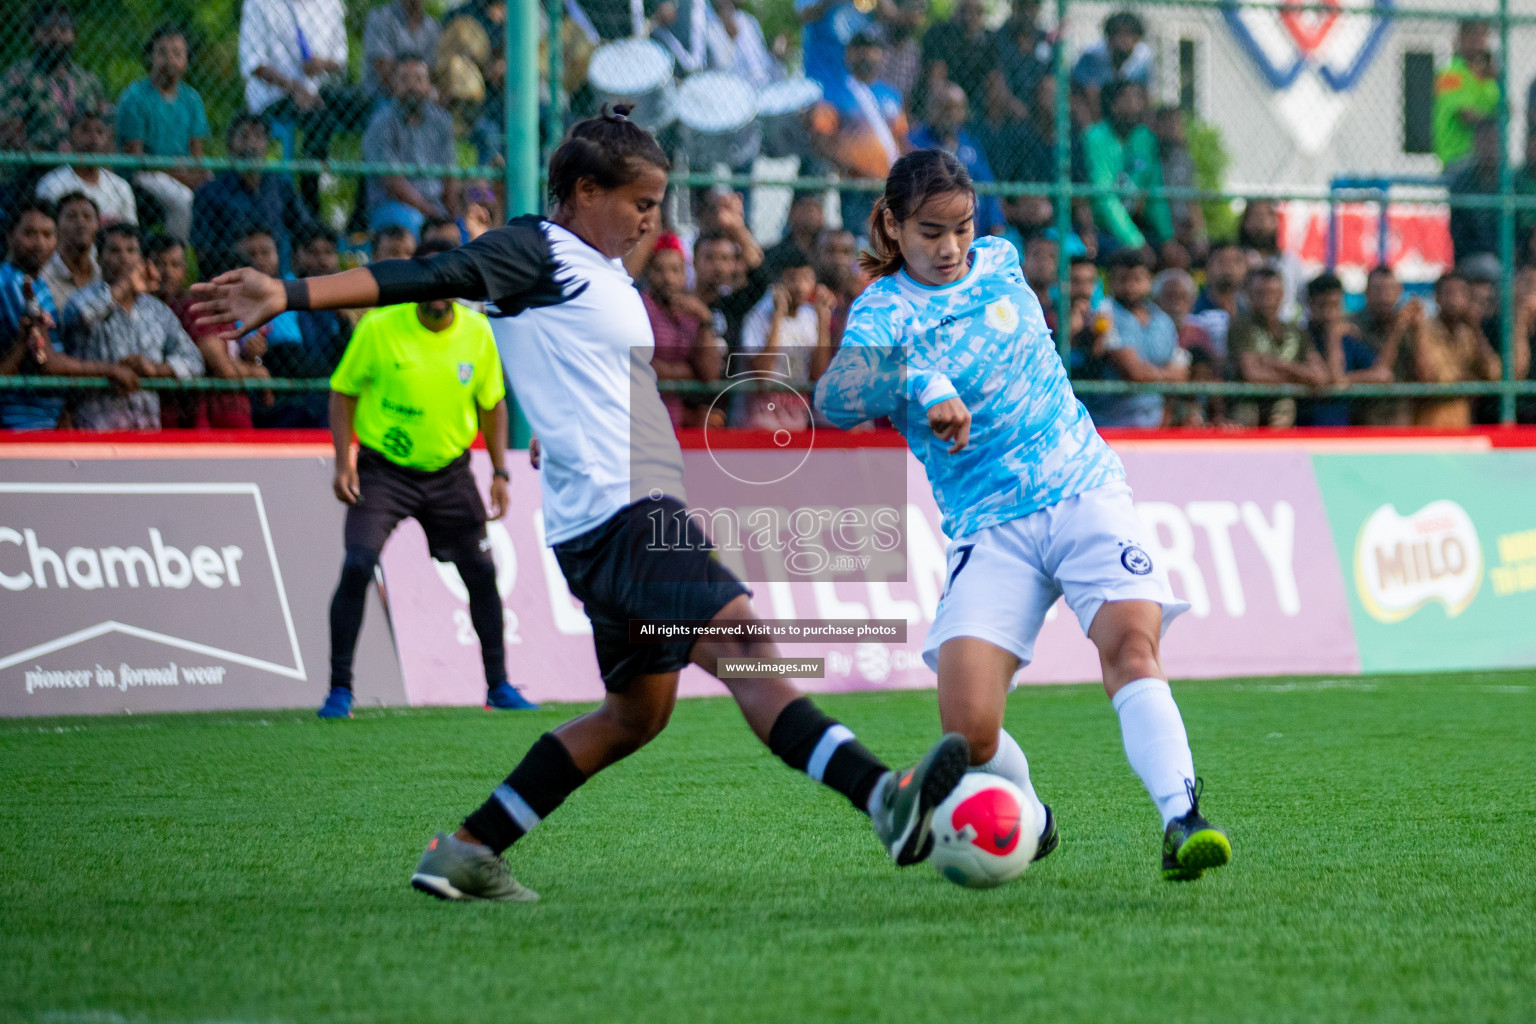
(466, 372)
(1003, 315)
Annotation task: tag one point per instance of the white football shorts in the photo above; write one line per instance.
(1002, 580)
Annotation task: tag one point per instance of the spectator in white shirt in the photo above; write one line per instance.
(293, 56)
(788, 336)
(90, 133)
(736, 44)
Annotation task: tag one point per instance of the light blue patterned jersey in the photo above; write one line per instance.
(908, 347)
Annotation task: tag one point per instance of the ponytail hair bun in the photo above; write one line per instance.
(609, 148)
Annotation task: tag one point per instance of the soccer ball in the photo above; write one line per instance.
(985, 833)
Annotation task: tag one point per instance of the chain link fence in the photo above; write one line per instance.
(1327, 205)
(296, 136)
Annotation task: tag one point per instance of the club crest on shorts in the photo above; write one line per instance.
(466, 372)
(1136, 560)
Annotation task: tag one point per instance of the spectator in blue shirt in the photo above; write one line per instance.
(1350, 360)
(234, 201)
(1144, 346)
(828, 27)
(161, 115)
(948, 110)
(1121, 55)
(861, 129)
(31, 346)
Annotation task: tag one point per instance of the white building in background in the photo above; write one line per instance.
(1304, 98)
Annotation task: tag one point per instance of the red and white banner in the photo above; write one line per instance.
(1418, 238)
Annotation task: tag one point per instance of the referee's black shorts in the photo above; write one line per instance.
(444, 501)
(617, 572)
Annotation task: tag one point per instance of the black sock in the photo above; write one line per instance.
(810, 742)
(539, 784)
(347, 611)
(479, 576)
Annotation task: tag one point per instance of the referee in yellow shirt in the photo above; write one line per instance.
(417, 383)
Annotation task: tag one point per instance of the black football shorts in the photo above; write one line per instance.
(444, 501)
(618, 573)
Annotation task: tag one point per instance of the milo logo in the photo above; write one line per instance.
(1404, 562)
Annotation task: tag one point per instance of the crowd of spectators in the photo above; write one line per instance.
(98, 262)
(1153, 299)
(95, 282)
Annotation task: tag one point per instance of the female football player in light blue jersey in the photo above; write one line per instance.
(950, 342)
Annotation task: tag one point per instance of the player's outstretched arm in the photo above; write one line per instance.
(241, 301)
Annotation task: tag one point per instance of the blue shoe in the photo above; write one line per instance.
(338, 703)
(504, 697)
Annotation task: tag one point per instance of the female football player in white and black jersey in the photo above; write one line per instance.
(577, 345)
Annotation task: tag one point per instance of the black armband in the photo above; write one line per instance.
(296, 294)
(446, 275)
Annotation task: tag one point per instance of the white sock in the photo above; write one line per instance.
(1010, 763)
(1156, 744)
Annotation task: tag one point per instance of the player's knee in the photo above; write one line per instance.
(983, 743)
(1135, 653)
(980, 731)
(635, 726)
(476, 570)
(357, 567)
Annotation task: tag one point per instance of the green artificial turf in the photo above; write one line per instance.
(254, 866)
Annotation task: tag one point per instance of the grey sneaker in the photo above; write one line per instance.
(905, 801)
(452, 869)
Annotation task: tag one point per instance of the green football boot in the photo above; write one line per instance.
(452, 869)
(1191, 844)
(905, 801)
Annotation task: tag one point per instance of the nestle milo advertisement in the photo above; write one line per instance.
(1439, 556)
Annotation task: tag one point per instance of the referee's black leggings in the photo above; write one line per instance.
(476, 569)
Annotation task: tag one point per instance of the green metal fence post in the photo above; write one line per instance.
(1063, 191)
(1506, 227)
(520, 105)
(522, 108)
(555, 9)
